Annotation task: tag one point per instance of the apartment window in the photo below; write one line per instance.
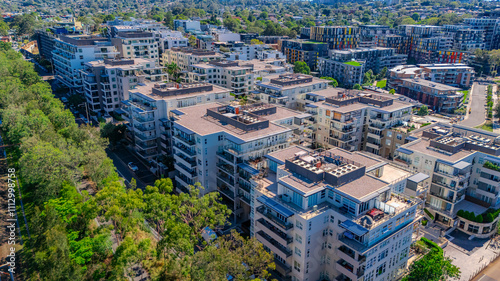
(298, 252)
(206, 173)
(308, 252)
(206, 163)
(381, 269)
(383, 255)
(399, 136)
(389, 134)
(298, 238)
(308, 239)
(323, 193)
(387, 142)
(221, 138)
(298, 224)
(310, 225)
(325, 232)
(206, 150)
(296, 266)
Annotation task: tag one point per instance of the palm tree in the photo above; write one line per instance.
(173, 71)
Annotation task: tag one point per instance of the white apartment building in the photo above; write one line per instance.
(462, 165)
(148, 109)
(185, 57)
(334, 215)
(222, 147)
(72, 52)
(170, 39)
(288, 89)
(356, 120)
(225, 35)
(187, 25)
(107, 82)
(136, 44)
(235, 75)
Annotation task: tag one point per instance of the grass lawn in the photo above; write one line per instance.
(488, 126)
(382, 83)
(466, 93)
(353, 63)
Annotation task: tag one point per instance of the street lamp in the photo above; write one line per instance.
(86, 109)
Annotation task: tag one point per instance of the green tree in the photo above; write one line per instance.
(169, 20)
(4, 28)
(392, 91)
(496, 109)
(357, 87)
(433, 267)
(192, 41)
(173, 71)
(114, 133)
(423, 110)
(301, 67)
(334, 82)
(256, 42)
(415, 17)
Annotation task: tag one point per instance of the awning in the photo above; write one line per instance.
(248, 168)
(163, 120)
(404, 150)
(354, 227)
(312, 95)
(120, 111)
(411, 138)
(275, 206)
(311, 105)
(461, 165)
(418, 177)
(177, 112)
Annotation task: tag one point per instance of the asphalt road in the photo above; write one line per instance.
(477, 106)
(121, 157)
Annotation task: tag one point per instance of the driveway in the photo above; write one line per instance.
(121, 157)
(477, 106)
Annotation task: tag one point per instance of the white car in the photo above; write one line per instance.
(133, 167)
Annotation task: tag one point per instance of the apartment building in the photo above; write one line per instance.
(185, 57)
(334, 215)
(453, 74)
(337, 37)
(148, 109)
(107, 82)
(288, 89)
(136, 44)
(402, 44)
(465, 38)
(349, 66)
(303, 50)
(222, 146)
(359, 121)
(235, 75)
(439, 97)
(370, 34)
(72, 52)
(187, 25)
(225, 35)
(270, 67)
(170, 39)
(488, 26)
(238, 50)
(462, 164)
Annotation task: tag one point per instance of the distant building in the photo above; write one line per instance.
(337, 37)
(107, 82)
(185, 57)
(439, 97)
(72, 52)
(136, 45)
(187, 25)
(303, 50)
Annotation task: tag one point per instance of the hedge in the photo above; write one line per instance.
(488, 216)
(429, 214)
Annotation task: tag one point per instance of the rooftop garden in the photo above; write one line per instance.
(491, 166)
(486, 217)
(353, 63)
(382, 83)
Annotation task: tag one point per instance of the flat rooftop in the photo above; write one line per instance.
(195, 119)
(422, 146)
(147, 90)
(286, 153)
(362, 187)
(434, 85)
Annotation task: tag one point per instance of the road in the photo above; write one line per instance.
(121, 157)
(477, 106)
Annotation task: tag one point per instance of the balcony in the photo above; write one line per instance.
(277, 234)
(185, 150)
(143, 128)
(349, 270)
(226, 156)
(226, 191)
(147, 154)
(144, 119)
(242, 197)
(265, 212)
(223, 177)
(145, 137)
(178, 157)
(350, 256)
(146, 145)
(184, 170)
(226, 168)
(272, 244)
(281, 267)
(186, 140)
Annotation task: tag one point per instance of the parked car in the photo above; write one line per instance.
(133, 167)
